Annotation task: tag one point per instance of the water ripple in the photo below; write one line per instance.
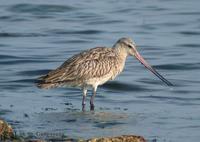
(124, 86)
(9, 57)
(22, 81)
(6, 34)
(4, 111)
(187, 13)
(90, 32)
(40, 9)
(188, 33)
(5, 17)
(70, 41)
(23, 61)
(156, 8)
(179, 66)
(33, 72)
(123, 10)
(107, 124)
(104, 22)
(169, 98)
(189, 45)
(14, 86)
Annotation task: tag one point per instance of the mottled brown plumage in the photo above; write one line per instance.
(77, 70)
(93, 67)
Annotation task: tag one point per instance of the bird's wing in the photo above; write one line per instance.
(92, 63)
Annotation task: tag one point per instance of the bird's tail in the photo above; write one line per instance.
(41, 83)
(48, 85)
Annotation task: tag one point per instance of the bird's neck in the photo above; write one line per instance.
(120, 51)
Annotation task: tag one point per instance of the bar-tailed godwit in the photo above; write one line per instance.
(94, 67)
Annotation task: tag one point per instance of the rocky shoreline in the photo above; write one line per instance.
(7, 134)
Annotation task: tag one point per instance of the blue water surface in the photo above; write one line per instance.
(37, 36)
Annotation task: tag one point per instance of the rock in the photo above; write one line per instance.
(123, 138)
(6, 131)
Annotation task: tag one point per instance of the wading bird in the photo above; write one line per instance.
(94, 67)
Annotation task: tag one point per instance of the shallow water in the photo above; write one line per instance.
(37, 36)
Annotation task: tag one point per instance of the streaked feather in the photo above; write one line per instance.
(93, 63)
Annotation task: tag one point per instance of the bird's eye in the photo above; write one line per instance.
(129, 46)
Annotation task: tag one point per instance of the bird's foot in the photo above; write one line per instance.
(91, 107)
(83, 107)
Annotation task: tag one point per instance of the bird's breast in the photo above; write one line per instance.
(117, 68)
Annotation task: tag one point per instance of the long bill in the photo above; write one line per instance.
(145, 63)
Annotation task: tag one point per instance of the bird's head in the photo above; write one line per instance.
(128, 45)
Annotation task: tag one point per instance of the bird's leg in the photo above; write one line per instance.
(84, 97)
(92, 98)
(83, 103)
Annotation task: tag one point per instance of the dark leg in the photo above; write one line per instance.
(83, 103)
(84, 97)
(92, 99)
